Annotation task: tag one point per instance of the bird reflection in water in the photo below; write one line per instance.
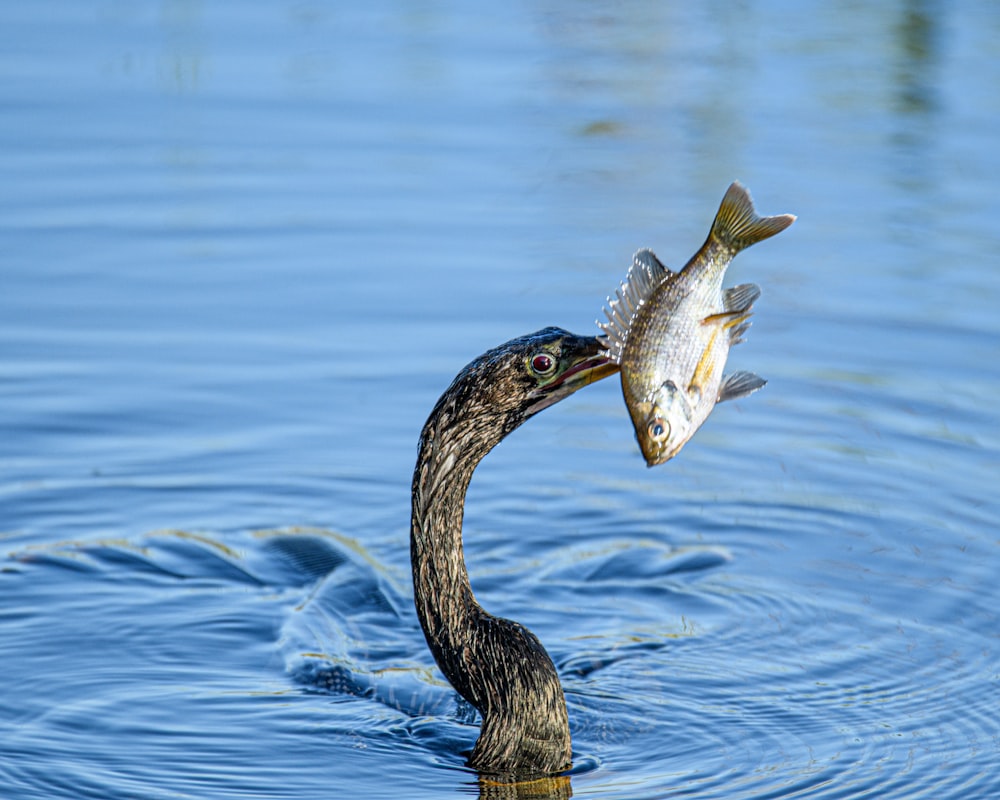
(551, 787)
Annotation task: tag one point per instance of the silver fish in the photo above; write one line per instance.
(670, 332)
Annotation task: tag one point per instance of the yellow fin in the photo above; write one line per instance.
(737, 225)
(728, 319)
(703, 370)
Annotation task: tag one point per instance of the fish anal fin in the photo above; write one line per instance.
(737, 225)
(739, 384)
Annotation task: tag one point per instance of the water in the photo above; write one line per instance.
(243, 248)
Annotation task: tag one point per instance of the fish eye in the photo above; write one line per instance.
(658, 429)
(542, 364)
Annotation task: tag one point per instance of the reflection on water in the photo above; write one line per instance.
(556, 788)
(918, 45)
(245, 249)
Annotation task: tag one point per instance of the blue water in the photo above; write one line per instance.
(244, 247)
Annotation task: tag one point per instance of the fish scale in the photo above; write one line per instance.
(670, 332)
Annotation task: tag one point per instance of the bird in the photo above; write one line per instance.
(498, 665)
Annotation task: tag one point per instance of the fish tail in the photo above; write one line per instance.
(737, 225)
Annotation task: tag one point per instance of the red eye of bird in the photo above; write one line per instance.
(543, 363)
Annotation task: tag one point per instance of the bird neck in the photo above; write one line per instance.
(445, 603)
(497, 665)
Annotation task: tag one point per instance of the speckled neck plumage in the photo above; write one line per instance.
(499, 666)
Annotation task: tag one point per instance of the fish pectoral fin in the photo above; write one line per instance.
(739, 384)
(740, 298)
(691, 396)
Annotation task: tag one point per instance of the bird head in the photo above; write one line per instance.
(511, 383)
(548, 366)
(558, 363)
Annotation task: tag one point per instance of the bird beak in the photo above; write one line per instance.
(589, 370)
(592, 363)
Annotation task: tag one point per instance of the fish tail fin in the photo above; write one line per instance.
(737, 225)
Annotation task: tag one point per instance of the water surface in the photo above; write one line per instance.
(244, 249)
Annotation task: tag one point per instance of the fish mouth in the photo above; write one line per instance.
(660, 458)
(659, 455)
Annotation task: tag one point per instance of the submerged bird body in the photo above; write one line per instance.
(670, 332)
(497, 665)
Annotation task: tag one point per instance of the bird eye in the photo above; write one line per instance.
(658, 429)
(543, 363)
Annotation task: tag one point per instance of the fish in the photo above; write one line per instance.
(670, 332)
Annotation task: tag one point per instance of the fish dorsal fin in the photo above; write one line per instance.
(737, 225)
(740, 298)
(647, 259)
(739, 384)
(646, 273)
